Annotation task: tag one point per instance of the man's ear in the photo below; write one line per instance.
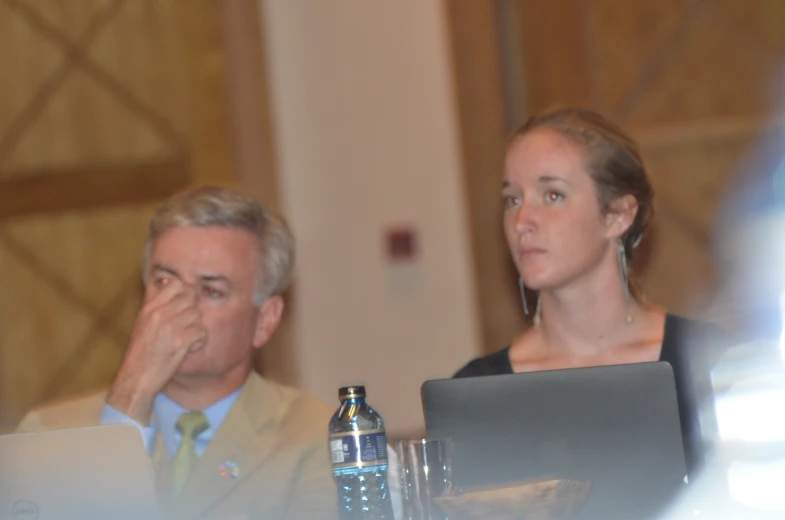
(621, 215)
(267, 321)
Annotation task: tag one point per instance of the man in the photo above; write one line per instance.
(225, 442)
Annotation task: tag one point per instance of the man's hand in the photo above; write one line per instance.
(166, 329)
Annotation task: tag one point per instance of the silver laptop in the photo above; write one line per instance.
(617, 426)
(82, 473)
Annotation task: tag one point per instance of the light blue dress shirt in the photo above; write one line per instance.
(165, 415)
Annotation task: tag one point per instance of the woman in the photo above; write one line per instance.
(577, 201)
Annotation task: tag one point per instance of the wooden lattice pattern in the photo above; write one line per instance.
(100, 122)
(699, 82)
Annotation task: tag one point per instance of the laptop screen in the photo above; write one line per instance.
(616, 426)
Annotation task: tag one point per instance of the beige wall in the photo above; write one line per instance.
(366, 129)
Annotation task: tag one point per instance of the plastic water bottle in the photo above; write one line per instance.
(358, 449)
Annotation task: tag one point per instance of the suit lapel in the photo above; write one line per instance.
(246, 438)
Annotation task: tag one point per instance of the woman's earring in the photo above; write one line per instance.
(625, 279)
(537, 320)
(523, 295)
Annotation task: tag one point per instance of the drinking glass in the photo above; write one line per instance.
(425, 475)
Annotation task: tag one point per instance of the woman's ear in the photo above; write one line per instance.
(621, 215)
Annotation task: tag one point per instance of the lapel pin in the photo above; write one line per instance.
(229, 469)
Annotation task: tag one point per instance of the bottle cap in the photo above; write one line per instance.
(351, 392)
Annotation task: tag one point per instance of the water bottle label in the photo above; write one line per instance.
(362, 448)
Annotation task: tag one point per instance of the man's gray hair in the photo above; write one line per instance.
(215, 206)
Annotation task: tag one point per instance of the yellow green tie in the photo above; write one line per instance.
(191, 425)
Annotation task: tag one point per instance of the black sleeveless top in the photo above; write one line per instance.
(692, 348)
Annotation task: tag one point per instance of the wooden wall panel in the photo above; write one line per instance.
(72, 18)
(478, 73)
(625, 43)
(760, 20)
(701, 169)
(127, 102)
(210, 134)
(94, 263)
(72, 292)
(37, 322)
(715, 74)
(32, 59)
(689, 179)
(83, 123)
(555, 52)
(148, 51)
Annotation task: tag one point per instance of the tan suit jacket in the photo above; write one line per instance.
(276, 435)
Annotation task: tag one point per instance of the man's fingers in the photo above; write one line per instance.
(199, 341)
(184, 301)
(192, 337)
(160, 292)
(172, 299)
(187, 315)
